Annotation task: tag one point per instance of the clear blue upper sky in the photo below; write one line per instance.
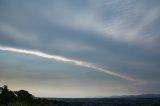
(116, 44)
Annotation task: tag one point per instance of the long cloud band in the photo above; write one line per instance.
(64, 59)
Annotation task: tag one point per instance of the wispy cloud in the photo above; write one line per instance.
(120, 27)
(18, 35)
(64, 59)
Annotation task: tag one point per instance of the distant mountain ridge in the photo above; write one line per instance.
(136, 96)
(110, 99)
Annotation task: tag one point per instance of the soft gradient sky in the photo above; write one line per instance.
(80, 48)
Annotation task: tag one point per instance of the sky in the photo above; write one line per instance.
(80, 48)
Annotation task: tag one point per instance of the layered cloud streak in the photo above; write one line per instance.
(64, 59)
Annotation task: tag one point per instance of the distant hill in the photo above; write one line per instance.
(137, 96)
(110, 99)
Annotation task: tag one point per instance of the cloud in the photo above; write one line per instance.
(120, 37)
(17, 35)
(121, 30)
(64, 59)
(106, 33)
(123, 21)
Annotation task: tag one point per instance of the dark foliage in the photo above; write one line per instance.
(24, 98)
(6, 95)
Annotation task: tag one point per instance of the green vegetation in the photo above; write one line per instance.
(24, 98)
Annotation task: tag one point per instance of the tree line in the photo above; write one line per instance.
(7, 96)
(24, 98)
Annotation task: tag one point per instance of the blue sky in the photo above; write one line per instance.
(80, 48)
